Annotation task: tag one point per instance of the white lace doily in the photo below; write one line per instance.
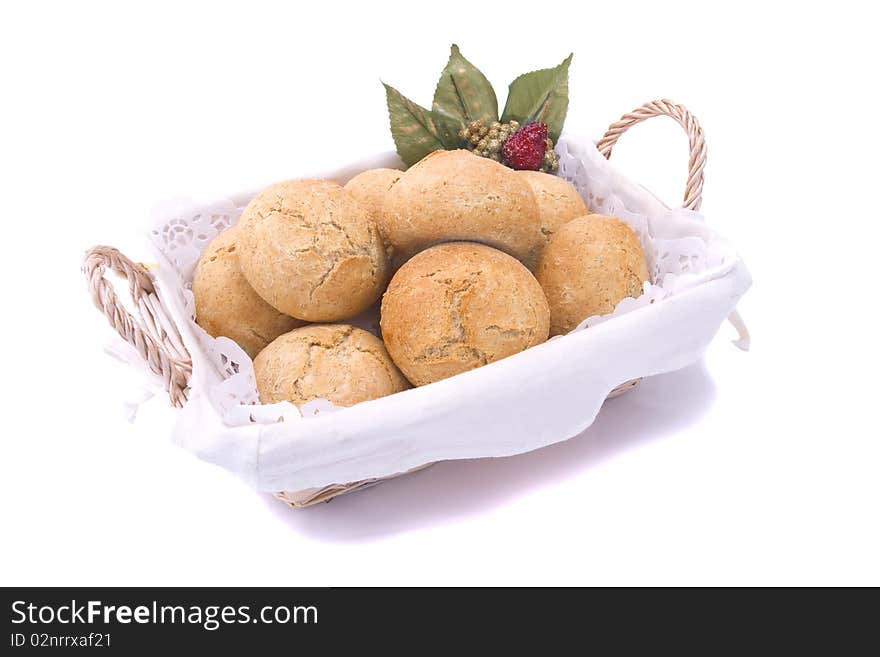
(677, 259)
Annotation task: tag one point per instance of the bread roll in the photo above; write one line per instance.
(371, 188)
(311, 250)
(558, 201)
(337, 362)
(589, 265)
(456, 195)
(457, 306)
(226, 305)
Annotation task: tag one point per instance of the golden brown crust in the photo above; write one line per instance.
(456, 195)
(558, 201)
(460, 305)
(371, 188)
(226, 305)
(590, 265)
(337, 362)
(311, 250)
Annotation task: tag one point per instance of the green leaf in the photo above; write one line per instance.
(412, 127)
(463, 95)
(540, 96)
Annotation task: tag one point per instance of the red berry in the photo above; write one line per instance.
(525, 148)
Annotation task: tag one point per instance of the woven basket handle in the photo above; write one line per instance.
(153, 334)
(693, 193)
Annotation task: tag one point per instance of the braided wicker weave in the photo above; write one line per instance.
(693, 192)
(152, 333)
(156, 338)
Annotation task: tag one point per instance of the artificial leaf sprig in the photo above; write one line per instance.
(464, 114)
(412, 126)
(540, 97)
(463, 95)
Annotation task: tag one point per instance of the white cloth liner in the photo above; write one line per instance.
(544, 395)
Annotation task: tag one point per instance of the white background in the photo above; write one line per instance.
(747, 468)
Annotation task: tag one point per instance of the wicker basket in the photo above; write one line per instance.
(157, 340)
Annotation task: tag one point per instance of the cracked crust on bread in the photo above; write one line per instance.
(458, 306)
(226, 305)
(312, 250)
(337, 362)
(455, 195)
(589, 266)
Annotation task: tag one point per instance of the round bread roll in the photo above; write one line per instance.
(312, 251)
(371, 188)
(457, 306)
(590, 264)
(226, 305)
(337, 362)
(456, 195)
(558, 201)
